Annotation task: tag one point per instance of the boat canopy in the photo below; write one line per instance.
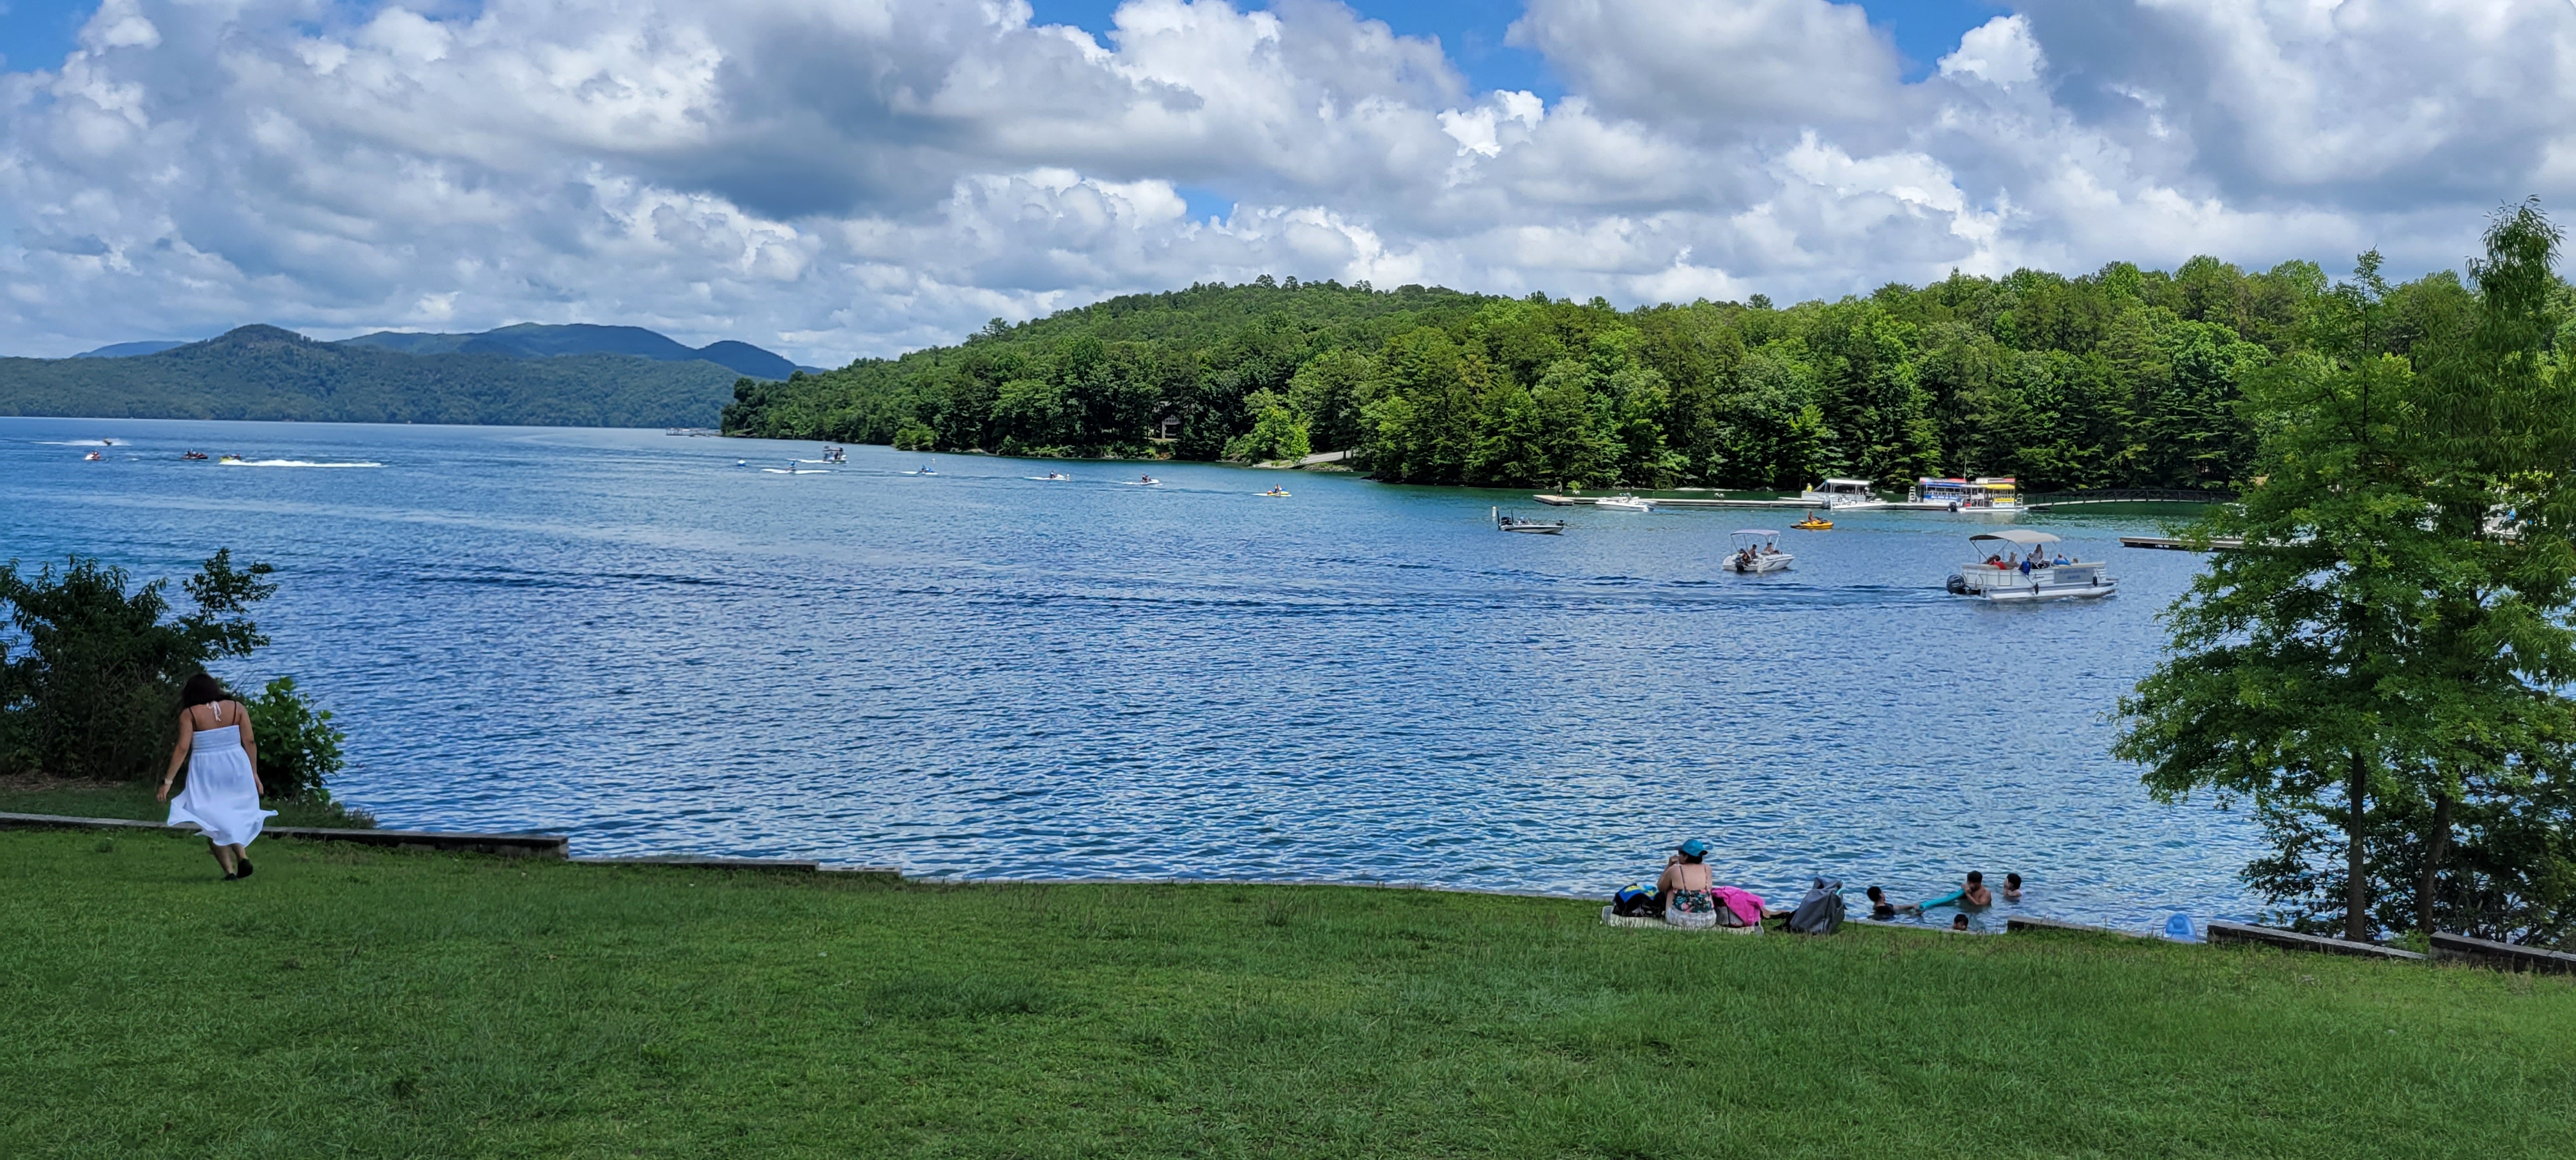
(1755, 532)
(1849, 483)
(2022, 536)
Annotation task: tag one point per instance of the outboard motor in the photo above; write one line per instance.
(1958, 584)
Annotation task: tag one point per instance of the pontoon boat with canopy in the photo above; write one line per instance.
(2016, 567)
(1842, 493)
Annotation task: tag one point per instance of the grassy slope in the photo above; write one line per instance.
(362, 1003)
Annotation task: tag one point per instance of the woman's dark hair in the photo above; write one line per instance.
(1976, 877)
(1694, 859)
(202, 690)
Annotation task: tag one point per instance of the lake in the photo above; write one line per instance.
(629, 638)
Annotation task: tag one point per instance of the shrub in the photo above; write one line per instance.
(90, 687)
(298, 748)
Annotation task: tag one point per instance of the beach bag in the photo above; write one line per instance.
(1821, 911)
(1636, 901)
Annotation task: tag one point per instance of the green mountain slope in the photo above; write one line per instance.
(262, 372)
(539, 340)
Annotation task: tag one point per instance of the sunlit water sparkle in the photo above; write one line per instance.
(626, 637)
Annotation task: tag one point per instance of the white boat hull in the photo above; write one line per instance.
(2075, 580)
(2047, 592)
(1760, 564)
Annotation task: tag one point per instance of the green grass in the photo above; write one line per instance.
(130, 800)
(364, 1003)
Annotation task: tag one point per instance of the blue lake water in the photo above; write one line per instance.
(626, 637)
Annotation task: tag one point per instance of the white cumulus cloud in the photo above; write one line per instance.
(842, 177)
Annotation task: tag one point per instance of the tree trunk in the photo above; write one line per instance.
(2356, 886)
(2437, 846)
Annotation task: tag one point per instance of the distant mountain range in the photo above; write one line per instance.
(580, 375)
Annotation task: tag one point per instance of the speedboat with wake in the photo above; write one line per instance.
(2017, 567)
(1757, 550)
(1145, 481)
(92, 457)
(1528, 527)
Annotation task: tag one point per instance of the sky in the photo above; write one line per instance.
(843, 178)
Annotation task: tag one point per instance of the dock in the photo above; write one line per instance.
(1659, 501)
(2171, 544)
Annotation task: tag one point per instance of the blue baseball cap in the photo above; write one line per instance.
(1694, 848)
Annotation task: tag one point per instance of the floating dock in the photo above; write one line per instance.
(1658, 501)
(2170, 544)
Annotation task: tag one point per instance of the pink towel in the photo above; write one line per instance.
(1745, 906)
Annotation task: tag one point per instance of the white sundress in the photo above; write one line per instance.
(222, 796)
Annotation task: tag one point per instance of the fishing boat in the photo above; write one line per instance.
(1757, 550)
(1814, 523)
(1530, 527)
(2002, 575)
(1624, 503)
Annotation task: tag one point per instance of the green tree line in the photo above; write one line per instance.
(2125, 377)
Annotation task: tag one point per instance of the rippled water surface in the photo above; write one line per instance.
(626, 637)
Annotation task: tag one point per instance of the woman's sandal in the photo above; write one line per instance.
(244, 863)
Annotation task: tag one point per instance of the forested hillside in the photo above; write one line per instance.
(2121, 378)
(262, 372)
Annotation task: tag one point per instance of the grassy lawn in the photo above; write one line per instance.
(98, 799)
(354, 1002)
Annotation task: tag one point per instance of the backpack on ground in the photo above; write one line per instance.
(1637, 901)
(1821, 911)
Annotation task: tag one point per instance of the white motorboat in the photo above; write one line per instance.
(1841, 493)
(1531, 527)
(2017, 566)
(1623, 503)
(1757, 550)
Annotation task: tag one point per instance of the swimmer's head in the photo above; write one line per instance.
(1976, 877)
(1875, 895)
(1959, 923)
(2012, 881)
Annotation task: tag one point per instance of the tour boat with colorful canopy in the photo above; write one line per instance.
(1757, 550)
(2017, 565)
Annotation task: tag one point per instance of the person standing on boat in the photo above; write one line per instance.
(222, 757)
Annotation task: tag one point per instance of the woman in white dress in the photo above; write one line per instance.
(223, 792)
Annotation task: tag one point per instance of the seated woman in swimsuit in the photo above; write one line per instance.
(1685, 887)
